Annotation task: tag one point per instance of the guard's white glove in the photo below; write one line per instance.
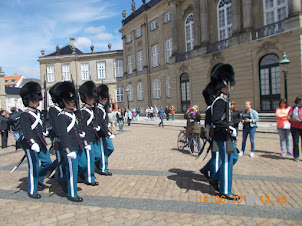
(35, 147)
(45, 133)
(87, 147)
(111, 135)
(72, 155)
(83, 134)
(98, 128)
(109, 125)
(232, 131)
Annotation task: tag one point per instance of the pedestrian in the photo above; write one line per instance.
(88, 96)
(34, 144)
(192, 116)
(137, 113)
(4, 127)
(167, 112)
(235, 118)
(151, 113)
(249, 119)
(120, 119)
(14, 123)
(172, 109)
(128, 116)
(71, 138)
(283, 127)
(155, 111)
(223, 78)
(161, 116)
(112, 120)
(295, 118)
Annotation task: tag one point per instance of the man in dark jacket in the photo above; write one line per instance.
(4, 128)
(14, 123)
(167, 112)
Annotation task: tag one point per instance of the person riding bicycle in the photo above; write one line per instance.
(193, 116)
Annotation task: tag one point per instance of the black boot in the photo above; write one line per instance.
(34, 196)
(205, 172)
(94, 183)
(75, 199)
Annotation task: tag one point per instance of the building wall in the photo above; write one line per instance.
(2, 91)
(244, 52)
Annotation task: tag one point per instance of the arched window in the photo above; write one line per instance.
(130, 92)
(274, 10)
(189, 36)
(156, 89)
(140, 91)
(224, 18)
(269, 77)
(185, 91)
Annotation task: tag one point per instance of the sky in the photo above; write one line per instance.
(27, 26)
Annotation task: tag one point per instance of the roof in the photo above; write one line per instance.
(66, 50)
(12, 80)
(12, 90)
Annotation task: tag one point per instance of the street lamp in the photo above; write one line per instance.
(284, 67)
(127, 91)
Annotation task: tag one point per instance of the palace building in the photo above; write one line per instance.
(170, 48)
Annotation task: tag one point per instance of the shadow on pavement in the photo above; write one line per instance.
(188, 180)
(184, 151)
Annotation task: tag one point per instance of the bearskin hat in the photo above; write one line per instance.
(103, 91)
(65, 92)
(87, 91)
(221, 75)
(210, 94)
(54, 98)
(29, 92)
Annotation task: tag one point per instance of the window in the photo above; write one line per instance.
(101, 68)
(168, 87)
(130, 92)
(155, 58)
(275, 10)
(189, 36)
(130, 64)
(168, 17)
(168, 50)
(153, 25)
(128, 39)
(224, 14)
(138, 33)
(118, 68)
(119, 94)
(140, 91)
(85, 71)
(66, 72)
(50, 70)
(13, 80)
(140, 61)
(6, 81)
(156, 89)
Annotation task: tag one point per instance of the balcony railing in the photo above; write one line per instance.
(182, 57)
(139, 11)
(213, 47)
(268, 30)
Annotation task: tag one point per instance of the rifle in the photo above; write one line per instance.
(45, 106)
(229, 146)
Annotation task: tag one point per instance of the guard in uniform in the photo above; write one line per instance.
(70, 137)
(88, 96)
(106, 146)
(54, 111)
(222, 77)
(33, 142)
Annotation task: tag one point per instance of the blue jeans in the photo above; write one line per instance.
(18, 135)
(245, 133)
(284, 139)
(121, 125)
(173, 116)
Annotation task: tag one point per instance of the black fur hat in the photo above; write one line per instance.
(103, 91)
(210, 94)
(87, 91)
(221, 75)
(54, 98)
(65, 92)
(29, 92)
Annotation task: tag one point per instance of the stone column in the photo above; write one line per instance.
(174, 26)
(236, 16)
(2, 90)
(295, 7)
(247, 14)
(196, 24)
(204, 21)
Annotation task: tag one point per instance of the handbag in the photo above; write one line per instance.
(286, 125)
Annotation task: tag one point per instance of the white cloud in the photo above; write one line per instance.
(82, 43)
(29, 71)
(104, 36)
(94, 30)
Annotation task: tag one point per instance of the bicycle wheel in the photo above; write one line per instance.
(195, 144)
(181, 140)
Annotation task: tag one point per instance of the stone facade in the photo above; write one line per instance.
(2, 90)
(74, 59)
(252, 38)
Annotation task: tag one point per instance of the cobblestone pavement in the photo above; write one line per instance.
(153, 183)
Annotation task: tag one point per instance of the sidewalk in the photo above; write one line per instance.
(264, 127)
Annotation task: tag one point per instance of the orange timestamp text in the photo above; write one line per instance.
(222, 199)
